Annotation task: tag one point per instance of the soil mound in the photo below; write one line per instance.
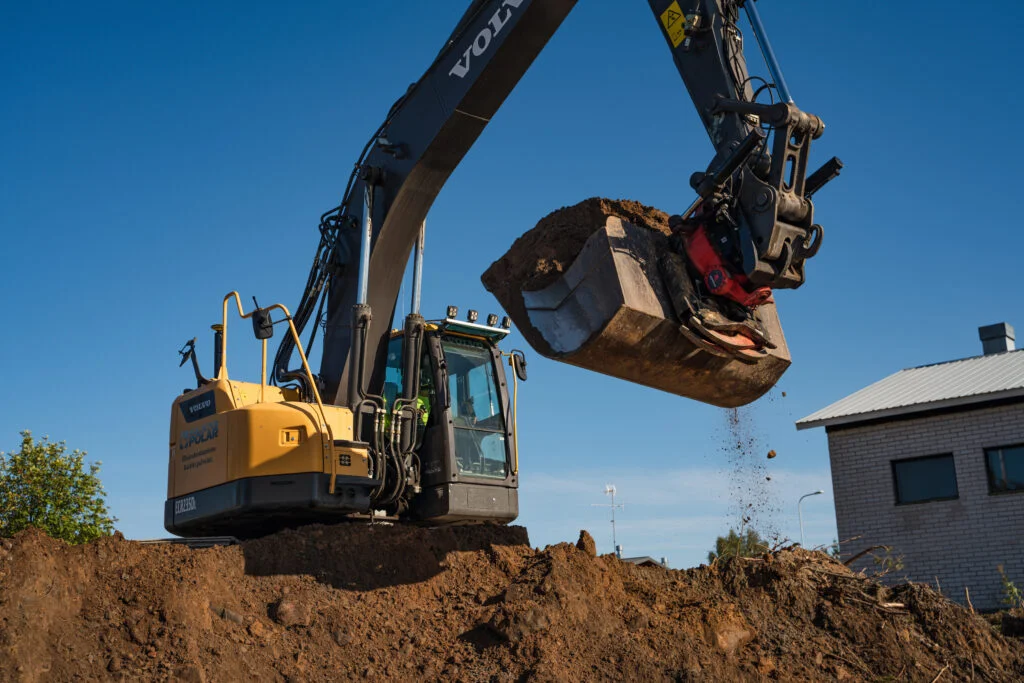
(354, 602)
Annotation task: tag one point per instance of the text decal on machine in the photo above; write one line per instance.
(484, 37)
(194, 437)
(185, 505)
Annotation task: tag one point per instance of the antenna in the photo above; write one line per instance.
(609, 490)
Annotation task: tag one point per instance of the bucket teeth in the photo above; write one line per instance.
(729, 340)
(735, 344)
(715, 321)
(687, 330)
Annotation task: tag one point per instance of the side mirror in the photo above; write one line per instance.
(262, 325)
(518, 361)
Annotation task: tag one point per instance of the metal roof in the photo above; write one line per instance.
(645, 561)
(943, 385)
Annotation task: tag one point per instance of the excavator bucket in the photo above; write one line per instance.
(610, 309)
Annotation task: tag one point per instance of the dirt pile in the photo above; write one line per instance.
(387, 603)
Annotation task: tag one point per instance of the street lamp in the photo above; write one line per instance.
(800, 513)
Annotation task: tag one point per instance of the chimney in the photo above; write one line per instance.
(996, 338)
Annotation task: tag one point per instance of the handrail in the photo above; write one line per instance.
(222, 373)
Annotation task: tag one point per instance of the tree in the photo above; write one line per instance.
(44, 486)
(746, 544)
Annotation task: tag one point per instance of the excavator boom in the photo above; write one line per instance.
(403, 167)
(751, 202)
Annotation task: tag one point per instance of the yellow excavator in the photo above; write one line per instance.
(419, 424)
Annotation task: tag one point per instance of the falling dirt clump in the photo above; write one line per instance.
(356, 602)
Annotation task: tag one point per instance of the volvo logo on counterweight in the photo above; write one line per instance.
(484, 38)
(203, 405)
(198, 407)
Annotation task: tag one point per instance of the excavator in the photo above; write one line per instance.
(418, 424)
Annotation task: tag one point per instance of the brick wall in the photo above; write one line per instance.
(960, 541)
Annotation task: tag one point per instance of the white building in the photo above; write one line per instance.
(930, 461)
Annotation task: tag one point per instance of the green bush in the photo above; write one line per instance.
(1012, 596)
(44, 486)
(743, 544)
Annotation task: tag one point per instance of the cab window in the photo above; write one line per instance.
(477, 414)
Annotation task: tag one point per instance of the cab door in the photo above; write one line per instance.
(467, 447)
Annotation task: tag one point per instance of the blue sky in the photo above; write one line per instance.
(154, 156)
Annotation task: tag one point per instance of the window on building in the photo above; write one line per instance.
(919, 480)
(1005, 467)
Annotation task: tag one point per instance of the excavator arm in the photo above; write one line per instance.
(752, 203)
(773, 229)
(401, 170)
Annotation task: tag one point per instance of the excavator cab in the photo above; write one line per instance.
(465, 440)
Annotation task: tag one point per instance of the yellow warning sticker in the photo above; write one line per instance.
(675, 24)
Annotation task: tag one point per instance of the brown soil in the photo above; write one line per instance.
(474, 603)
(536, 259)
